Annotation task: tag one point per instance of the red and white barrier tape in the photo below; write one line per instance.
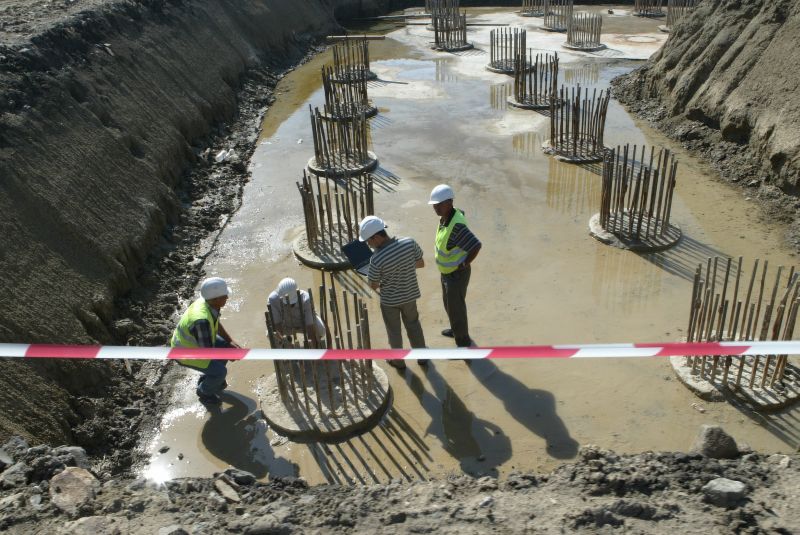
(509, 352)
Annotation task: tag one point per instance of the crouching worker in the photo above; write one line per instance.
(200, 327)
(294, 319)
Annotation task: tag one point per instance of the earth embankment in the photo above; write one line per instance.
(107, 110)
(724, 84)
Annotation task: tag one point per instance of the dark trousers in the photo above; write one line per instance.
(391, 318)
(454, 294)
(213, 378)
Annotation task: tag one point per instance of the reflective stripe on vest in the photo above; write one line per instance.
(448, 260)
(182, 337)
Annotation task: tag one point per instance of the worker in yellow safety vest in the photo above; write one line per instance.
(456, 248)
(200, 327)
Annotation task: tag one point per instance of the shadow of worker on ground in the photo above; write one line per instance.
(533, 408)
(478, 445)
(236, 432)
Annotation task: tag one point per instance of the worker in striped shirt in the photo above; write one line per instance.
(392, 272)
(456, 248)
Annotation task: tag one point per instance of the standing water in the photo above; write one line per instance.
(540, 278)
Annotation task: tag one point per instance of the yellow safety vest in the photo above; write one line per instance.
(182, 337)
(448, 260)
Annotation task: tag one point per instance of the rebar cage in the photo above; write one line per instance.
(577, 123)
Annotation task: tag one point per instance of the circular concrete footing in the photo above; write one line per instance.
(586, 157)
(339, 172)
(593, 48)
(623, 241)
(769, 398)
(505, 67)
(300, 422)
(346, 79)
(321, 256)
(528, 106)
(663, 28)
(369, 111)
(462, 48)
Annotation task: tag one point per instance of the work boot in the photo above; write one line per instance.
(448, 333)
(397, 363)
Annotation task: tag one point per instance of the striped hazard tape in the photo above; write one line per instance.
(508, 352)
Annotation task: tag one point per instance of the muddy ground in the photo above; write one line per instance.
(723, 87)
(51, 491)
(105, 409)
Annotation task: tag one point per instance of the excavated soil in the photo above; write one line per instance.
(723, 86)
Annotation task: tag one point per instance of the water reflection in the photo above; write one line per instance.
(528, 144)
(531, 407)
(583, 74)
(237, 435)
(443, 72)
(498, 95)
(623, 282)
(478, 445)
(572, 189)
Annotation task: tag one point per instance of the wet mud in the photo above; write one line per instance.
(540, 278)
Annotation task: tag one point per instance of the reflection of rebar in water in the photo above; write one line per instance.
(498, 96)
(339, 385)
(648, 8)
(586, 74)
(527, 143)
(637, 195)
(535, 78)
(577, 123)
(730, 307)
(340, 145)
(533, 8)
(505, 44)
(443, 72)
(572, 189)
(584, 29)
(449, 25)
(624, 282)
(557, 15)
(677, 9)
(333, 208)
(350, 59)
(345, 100)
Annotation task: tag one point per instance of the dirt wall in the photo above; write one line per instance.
(104, 106)
(724, 84)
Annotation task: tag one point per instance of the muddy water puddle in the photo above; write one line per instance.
(540, 279)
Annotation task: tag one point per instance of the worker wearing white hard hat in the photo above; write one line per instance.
(392, 271)
(456, 249)
(289, 319)
(200, 327)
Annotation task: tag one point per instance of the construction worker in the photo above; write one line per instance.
(292, 322)
(200, 327)
(456, 248)
(392, 271)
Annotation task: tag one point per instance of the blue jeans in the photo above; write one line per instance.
(213, 379)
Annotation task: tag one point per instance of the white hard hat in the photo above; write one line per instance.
(214, 287)
(288, 288)
(441, 193)
(370, 226)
